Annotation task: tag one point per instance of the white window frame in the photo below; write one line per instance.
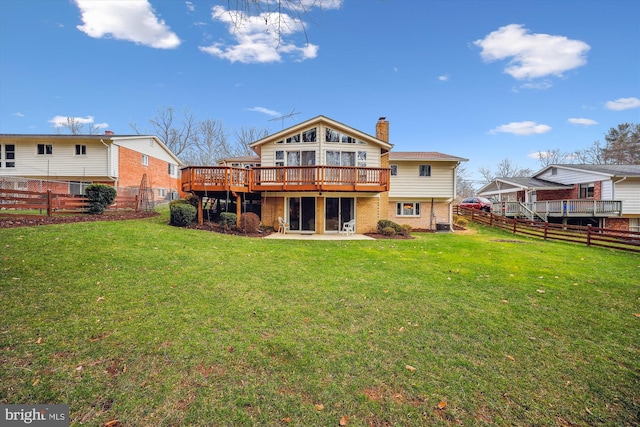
(81, 150)
(400, 209)
(47, 149)
(145, 160)
(422, 167)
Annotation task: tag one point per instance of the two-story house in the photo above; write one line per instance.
(606, 196)
(319, 174)
(68, 163)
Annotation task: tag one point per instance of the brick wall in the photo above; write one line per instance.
(423, 222)
(132, 170)
(617, 224)
(367, 214)
(543, 195)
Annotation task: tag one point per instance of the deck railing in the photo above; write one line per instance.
(285, 178)
(215, 178)
(561, 208)
(319, 178)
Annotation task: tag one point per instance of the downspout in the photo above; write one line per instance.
(115, 180)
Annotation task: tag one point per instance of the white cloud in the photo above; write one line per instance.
(532, 55)
(443, 78)
(581, 121)
(131, 20)
(18, 114)
(623, 104)
(190, 6)
(265, 111)
(521, 128)
(60, 121)
(260, 38)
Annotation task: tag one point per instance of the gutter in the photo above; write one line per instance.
(114, 179)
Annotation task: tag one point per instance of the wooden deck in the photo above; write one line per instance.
(281, 178)
(560, 208)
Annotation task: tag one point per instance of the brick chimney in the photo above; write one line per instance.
(382, 129)
(108, 132)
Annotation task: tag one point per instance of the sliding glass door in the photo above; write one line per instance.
(338, 210)
(302, 213)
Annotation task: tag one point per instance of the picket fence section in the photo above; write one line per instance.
(50, 203)
(588, 235)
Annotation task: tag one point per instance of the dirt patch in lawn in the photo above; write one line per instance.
(14, 220)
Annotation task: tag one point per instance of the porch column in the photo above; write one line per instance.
(238, 209)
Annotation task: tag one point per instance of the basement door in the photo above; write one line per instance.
(302, 214)
(338, 210)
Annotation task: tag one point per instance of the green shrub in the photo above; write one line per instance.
(388, 231)
(406, 230)
(384, 223)
(100, 197)
(182, 214)
(228, 219)
(249, 222)
(462, 222)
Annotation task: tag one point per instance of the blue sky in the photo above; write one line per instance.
(480, 79)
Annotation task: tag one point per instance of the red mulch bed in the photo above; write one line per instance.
(14, 220)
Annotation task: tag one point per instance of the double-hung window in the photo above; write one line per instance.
(145, 160)
(9, 155)
(408, 209)
(394, 170)
(424, 170)
(587, 191)
(45, 149)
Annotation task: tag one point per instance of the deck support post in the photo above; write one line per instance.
(200, 213)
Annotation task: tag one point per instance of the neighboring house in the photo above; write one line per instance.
(320, 174)
(68, 163)
(607, 196)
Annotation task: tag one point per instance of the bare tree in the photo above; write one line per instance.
(554, 157)
(464, 186)
(77, 127)
(592, 155)
(506, 168)
(280, 16)
(177, 135)
(247, 135)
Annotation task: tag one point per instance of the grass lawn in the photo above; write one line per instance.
(153, 325)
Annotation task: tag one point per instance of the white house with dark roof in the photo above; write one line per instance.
(602, 195)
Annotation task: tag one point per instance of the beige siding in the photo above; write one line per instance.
(62, 163)
(408, 183)
(146, 145)
(267, 151)
(629, 192)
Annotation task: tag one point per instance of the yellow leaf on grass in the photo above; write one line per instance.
(636, 314)
(319, 406)
(39, 340)
(112, 423)
(343, 420)
(510, 357)
(442, 405)
(35, 383)
(286, 420)
(410, 368)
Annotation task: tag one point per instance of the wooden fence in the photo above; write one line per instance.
(590, 236)
(52, 203)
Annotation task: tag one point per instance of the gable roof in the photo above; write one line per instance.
(424, 156)
(520, 183)
(608, 170)
(255, 146)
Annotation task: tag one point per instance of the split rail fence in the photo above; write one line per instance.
(51, 203)
(587, 235)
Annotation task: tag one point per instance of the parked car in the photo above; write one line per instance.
(476, 203)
